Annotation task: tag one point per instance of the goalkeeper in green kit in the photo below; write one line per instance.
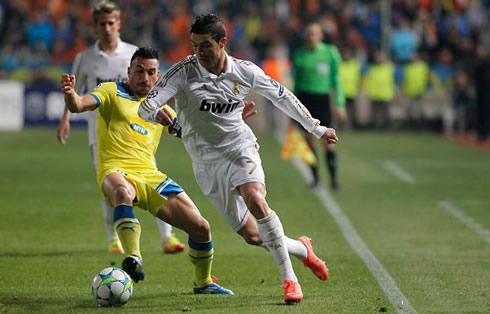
(316, 74)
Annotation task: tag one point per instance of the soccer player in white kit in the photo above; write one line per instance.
(209, 88)
(107, 61)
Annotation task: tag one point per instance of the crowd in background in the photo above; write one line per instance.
(443, 40)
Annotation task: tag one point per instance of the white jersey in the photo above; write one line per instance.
(209, 107)
(93, 66)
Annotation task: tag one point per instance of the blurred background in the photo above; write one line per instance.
(438, 50)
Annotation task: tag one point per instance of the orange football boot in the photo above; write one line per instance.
(316, 265)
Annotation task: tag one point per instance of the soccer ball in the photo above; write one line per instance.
(112, 287)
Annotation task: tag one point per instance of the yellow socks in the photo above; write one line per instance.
(128, 229)
(201, 255)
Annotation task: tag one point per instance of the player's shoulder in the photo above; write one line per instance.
(242, 63)
(189, 61)
(87, 53)
(181, 67)
(128, 47)
(329, 47)
(299, 52)
(108, 87)
(244, 66)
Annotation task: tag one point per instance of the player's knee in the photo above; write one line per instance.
(253, 239)
(121, 195)
(256, 204)
(201, 231)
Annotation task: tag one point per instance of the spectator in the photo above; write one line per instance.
(414, 86)
(404, 42)
(380, 74)
(41, 30)
(350, 77)
(455, 118)
(482, 83)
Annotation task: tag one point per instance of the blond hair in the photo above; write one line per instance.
(104, 8)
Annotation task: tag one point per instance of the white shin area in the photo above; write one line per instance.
(272, 234)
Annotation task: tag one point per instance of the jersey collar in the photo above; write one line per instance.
(119, 47)
(206, 73)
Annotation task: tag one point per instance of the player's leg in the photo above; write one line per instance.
(331, 160)
(107, 210)
(122, 194)
(170, 243)
(315, 109)
(325, 117)
(272, 234)
(112, 237)
(181, 212)
(250, 233)
(310, 140)
(301, 248)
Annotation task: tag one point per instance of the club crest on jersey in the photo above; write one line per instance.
(277, 85)
(236, 88)
(152, 94)
(216, 107)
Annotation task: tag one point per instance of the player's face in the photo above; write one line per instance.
(107, 28)
(207, 50)
(143, 74)
(314, 35)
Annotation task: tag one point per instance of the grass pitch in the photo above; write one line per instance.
(52, 241)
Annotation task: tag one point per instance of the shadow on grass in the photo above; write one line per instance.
(150, 302)
(50, 253)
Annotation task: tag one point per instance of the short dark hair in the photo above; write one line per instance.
(145, 53)
(209, 24)
(105, 8)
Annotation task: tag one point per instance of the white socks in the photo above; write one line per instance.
(272, 234)
(296, 248)
(165, 229)
(108, 221)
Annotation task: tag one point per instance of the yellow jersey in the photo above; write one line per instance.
(124, 139)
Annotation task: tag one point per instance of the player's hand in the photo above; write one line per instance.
(330, 136)
(63, 131)
(68, 84)
(164, 116)
(249, 110)
(341, 114)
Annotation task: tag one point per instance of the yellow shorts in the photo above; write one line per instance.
(152, 187)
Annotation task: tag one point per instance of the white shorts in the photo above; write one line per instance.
(219, 181)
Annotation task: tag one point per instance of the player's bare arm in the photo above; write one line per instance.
(330, 136)
(75, 102)
(64, 127)
(341, 114)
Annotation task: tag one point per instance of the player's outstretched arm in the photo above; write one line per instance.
(330, 136)
(64, 127)
(75, 102)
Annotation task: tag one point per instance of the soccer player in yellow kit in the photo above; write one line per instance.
(127, 174)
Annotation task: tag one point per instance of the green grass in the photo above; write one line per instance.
(52, 241)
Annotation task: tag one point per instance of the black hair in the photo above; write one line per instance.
(209, 24)
(145, 53)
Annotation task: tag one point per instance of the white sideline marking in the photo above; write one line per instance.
(468, 221)
(387, 283)
(398, 171)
